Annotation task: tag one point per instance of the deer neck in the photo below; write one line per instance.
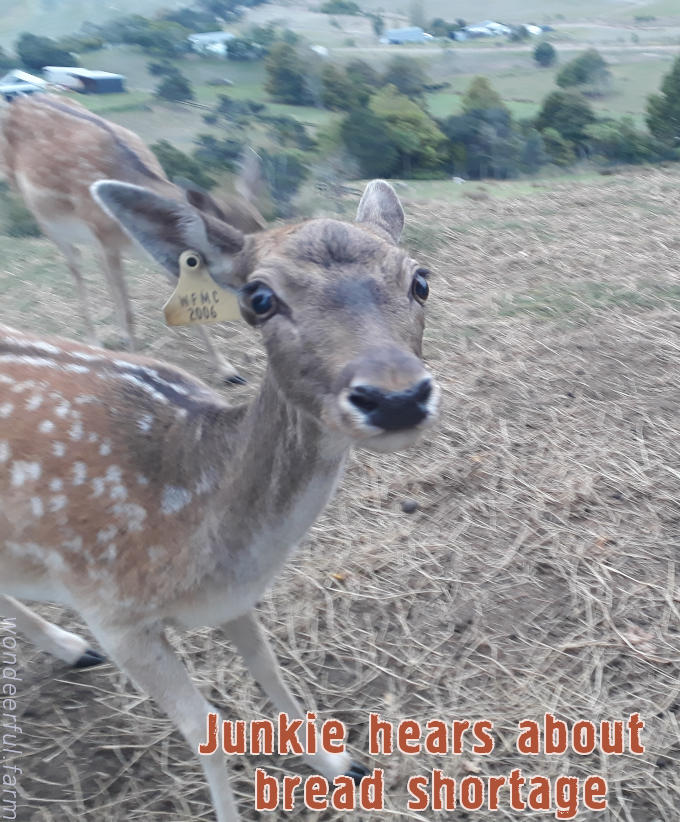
(278, 470)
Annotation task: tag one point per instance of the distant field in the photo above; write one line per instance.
(58, 17)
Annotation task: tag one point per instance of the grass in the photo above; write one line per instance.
(536, 573)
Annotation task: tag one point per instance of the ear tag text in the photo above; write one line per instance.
(198, 299)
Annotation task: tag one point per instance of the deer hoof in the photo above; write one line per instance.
(236, 379)
(89, 659)
(357, 772)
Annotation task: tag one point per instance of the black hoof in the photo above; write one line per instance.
(235, 380)
(357, 772)
(89, 659)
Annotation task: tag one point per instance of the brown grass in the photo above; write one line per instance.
(539, 572)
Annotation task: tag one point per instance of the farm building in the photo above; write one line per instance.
(487, 28)
(407, 35)
(84, 80)
(211, 42)
(17, 82)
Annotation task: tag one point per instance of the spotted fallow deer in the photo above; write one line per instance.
(133, 493)
(53, 151)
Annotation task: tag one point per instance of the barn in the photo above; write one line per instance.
(85, 80)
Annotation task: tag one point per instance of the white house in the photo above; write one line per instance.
(17, 82)
(211, 42)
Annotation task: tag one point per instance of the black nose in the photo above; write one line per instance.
(392, 410)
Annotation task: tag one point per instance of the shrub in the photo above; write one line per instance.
(36, 52)
(663, 110)
(287, 75)
(545, 54)
(178, 164)
(175, 87)
(340, 7)
(589, 69)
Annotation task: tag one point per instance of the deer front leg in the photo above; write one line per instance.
(146, 656)
(66, 646)
(246, 633)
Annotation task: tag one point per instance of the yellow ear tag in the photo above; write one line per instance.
(198, 299)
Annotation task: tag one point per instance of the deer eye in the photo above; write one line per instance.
(261, 300)
(419, 286)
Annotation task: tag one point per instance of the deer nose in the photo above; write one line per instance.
(392, 410)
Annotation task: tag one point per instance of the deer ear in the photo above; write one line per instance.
(380, 206)
(165, 228)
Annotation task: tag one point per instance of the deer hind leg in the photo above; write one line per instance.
(117, 284)
(68, 647)
(146, 656)
(72, 256)
(224, 368)
(246, 633)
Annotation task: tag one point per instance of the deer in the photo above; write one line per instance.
(54, 149)
(135, 494)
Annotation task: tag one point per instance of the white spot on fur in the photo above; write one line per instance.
(6, 409)
(106, 534)
(74, 368)
(5, 451)
(79, 473)
(84, 399)
(145, 422)
(58, 449)
(98, 486)
(75, 544)
(23, 471)
(63, 408)
(46, 427)
(58, 502)
(37, 508)
(105, 448)
(56, 485)
(113, 473)
(133, 514)
(76, 431)
(24, 386)
(92, 437)
(34, 402)
(174, 499)
(118, 492)
(111, 553)
(142, 480)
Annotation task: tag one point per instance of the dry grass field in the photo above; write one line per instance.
(539, 572)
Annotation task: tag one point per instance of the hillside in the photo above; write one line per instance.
(539, 571)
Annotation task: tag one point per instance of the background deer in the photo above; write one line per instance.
(54, 150)
(131, 492)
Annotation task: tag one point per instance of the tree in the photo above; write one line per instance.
(417, 138)
(567, 113)
(480, 96)
(407, 75)
(369, 140)
(588, 69)
(560, 150)
(338, 93)
(36, 52)
(417, 14)
(663, 110)
(362, 73)
(545, 54)
(340, 7)
(175, 87)
(287, 76)
(284, 172)
(378, 24)
(178, 164)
